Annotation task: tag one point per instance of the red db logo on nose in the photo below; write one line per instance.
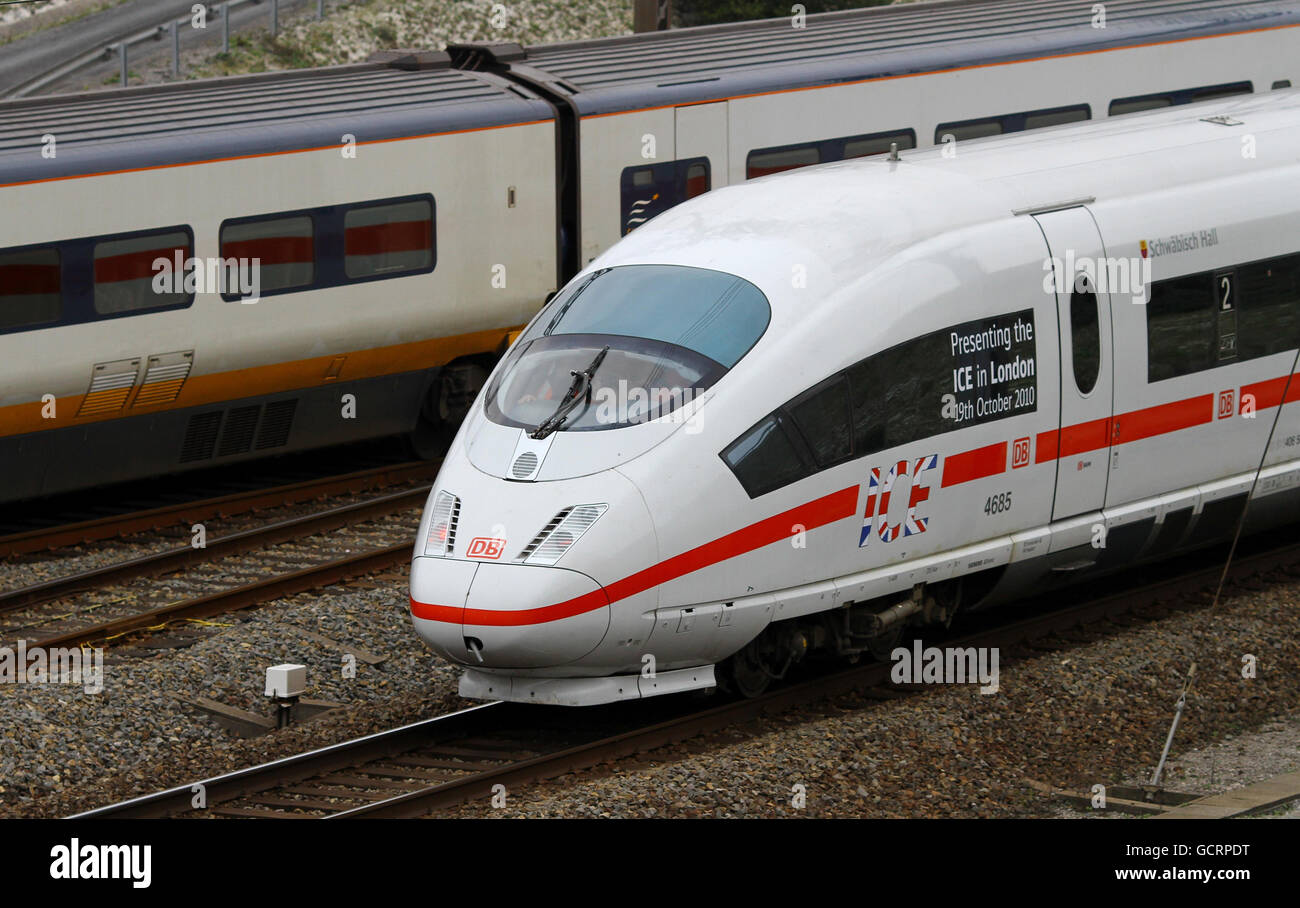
(486, 547)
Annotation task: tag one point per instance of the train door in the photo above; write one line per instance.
(1082, 444)
(702, 133)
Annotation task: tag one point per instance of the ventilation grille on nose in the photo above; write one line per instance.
(441, 540)
(525, 465)
(559, 535)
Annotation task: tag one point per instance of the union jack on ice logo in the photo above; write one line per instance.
(878, 492)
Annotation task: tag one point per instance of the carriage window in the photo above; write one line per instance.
(1135, 105)
(30, 287)
(126, 279)
(762, 163)
(652, 189)
(1057, 117)
(1174, 98)
(282, 247)
(766, 458)
(825, 422)
(1269, 294)
(1085, 339)
(963, 375)
(868, 145)
(973, 129)
(384, 240)
(1181, 327)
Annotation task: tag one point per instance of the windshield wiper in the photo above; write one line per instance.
(579, 390)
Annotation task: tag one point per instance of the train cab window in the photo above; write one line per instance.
(1181, 327)
(281, 246)
(1085, 338)
(652, 338)
(866, 146)
(388, 239)
(763, 163)
(30, 287)
(766, 457)
(652, 189)
(825, 422)
(125, 276)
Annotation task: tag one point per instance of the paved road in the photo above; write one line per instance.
(24, 58)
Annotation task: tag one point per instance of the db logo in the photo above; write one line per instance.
(1225, 404)
(486, 547)
(1020, 453)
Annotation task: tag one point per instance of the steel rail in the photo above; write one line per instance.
(219, 547)
(207, 508)
(689, 722)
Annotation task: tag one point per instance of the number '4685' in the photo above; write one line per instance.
(998, 504)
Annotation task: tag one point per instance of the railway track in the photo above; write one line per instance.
(227, 504)
(419, 769)
(230, 573)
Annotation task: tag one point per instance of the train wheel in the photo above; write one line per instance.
(745, 672)
(445, 405)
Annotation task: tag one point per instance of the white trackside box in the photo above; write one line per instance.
(286, 680)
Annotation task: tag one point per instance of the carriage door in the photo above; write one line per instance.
(1086, 373)
(702, 135)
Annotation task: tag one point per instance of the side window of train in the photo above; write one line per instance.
(825, 421)
(651, 189)
(767, 457)
(282, 246)
(1174, 98)
(380, 240)
(1180, 327)
(31, 287)
(1268, 317)
(1012, 122)
(1204, 320)
(898, 396)
(125, 279)
(1085, 338)
(763, 161)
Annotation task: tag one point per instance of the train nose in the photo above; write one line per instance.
(506, 615)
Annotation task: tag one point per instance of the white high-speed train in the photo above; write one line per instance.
(916, 385)
(410, 214)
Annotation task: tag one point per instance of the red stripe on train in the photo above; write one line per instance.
(817, 513)
(976, 464)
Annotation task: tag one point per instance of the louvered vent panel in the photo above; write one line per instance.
(110, 386)
(525, 465)
(200, 436)
(238, 435)
(541, 537)
(164, 378)
(276, 423)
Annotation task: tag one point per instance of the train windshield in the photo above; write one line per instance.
(634, 343)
